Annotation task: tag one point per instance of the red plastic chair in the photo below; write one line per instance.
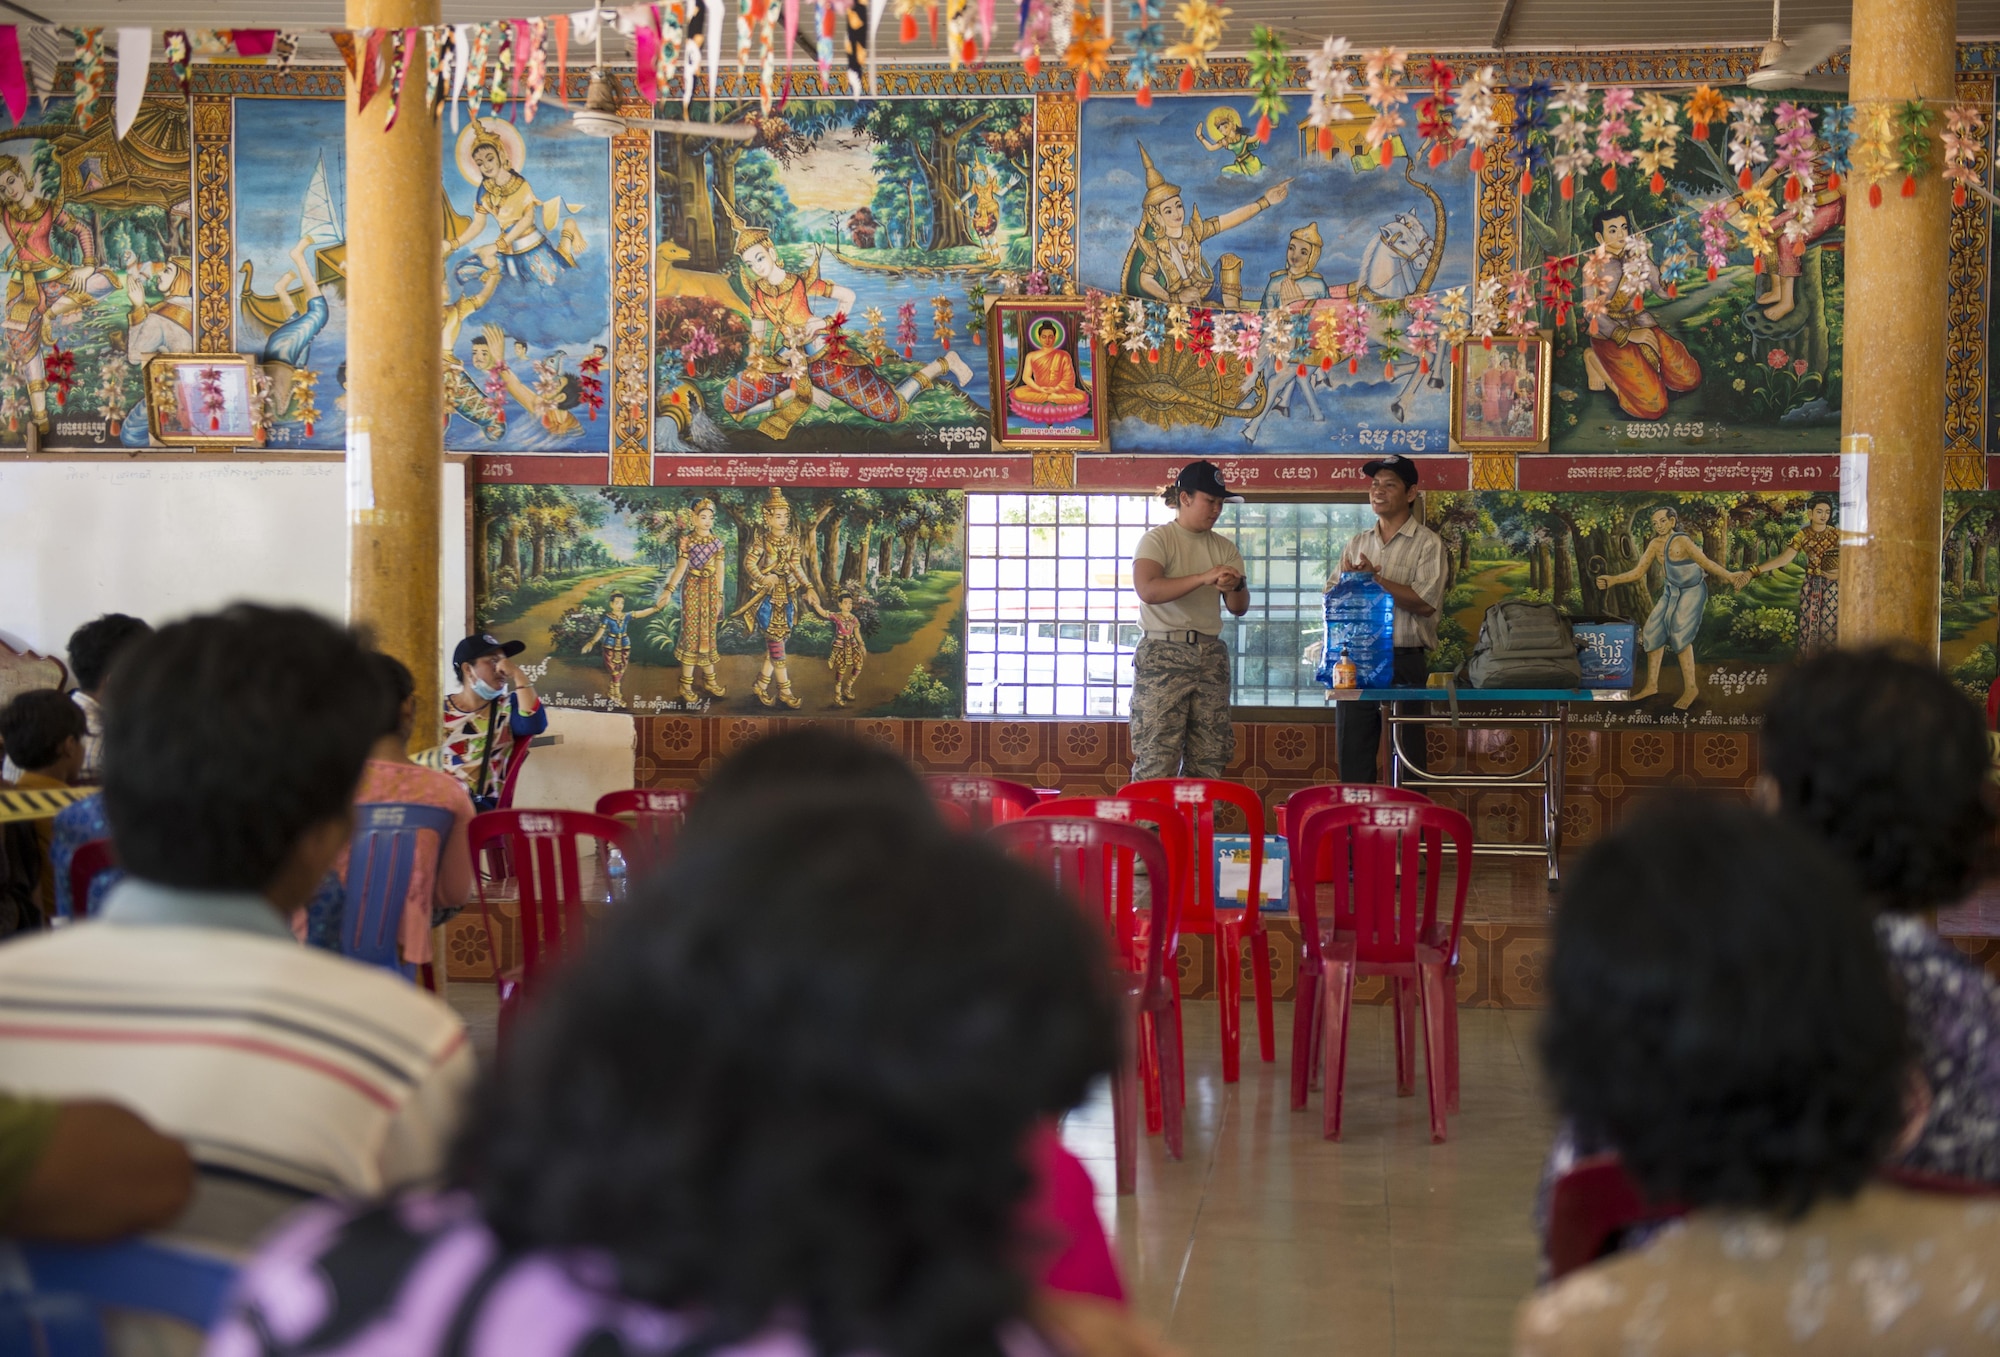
(1306, 800)
(657, 817)
(1590, 1207)
(1385, 922)
(987, 801)
(1093, 860)
(1197, 797)
(542, 847)
(91, 861)
(1177, 838)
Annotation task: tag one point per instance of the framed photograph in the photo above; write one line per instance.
(1500, 395)
(1048, 389)
(201, 398)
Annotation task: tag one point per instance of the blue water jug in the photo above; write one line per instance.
(1361, 620)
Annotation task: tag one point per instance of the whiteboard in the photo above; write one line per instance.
(160, 541)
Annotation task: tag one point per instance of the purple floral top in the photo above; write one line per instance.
(423, 1277)
(1954, 1011)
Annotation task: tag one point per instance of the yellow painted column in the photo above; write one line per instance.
(1894, 361)
(395, 366)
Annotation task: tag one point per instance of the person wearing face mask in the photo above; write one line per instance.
(481, 736)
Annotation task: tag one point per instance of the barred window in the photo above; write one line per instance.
(1052, 622)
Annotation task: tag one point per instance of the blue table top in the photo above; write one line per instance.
(1479, 695)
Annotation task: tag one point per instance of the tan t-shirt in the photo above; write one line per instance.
(1181, 553)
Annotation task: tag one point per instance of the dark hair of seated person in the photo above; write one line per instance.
(1720, 1013)
(791, 1081)
(96, 645)
(813, 765)
(398, 685)
(36, 725)
(227, 737)
(1881, 757)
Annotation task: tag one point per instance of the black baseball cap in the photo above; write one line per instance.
(1395, 462)
(480, 646)
(1205, 478)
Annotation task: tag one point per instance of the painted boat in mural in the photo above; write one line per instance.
(319, 222)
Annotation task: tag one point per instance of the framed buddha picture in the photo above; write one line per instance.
(1500, 394)
(1048, 389)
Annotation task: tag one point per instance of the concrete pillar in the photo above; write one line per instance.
(1894, 363)
(395, 366)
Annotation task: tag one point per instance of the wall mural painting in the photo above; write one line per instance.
(1653, 351)
(830, 276)
(729, 599)
(1968, 631)
(527, 293)
(1182, 204)
(96, 239)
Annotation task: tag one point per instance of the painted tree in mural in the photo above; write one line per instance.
(932, 134)
(702, 168)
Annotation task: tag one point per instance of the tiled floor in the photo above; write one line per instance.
(1266, 1239)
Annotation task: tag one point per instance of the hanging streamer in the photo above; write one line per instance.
(13, 75)
(135, 49)
(370, 74)
(89, 74)
(176, 46)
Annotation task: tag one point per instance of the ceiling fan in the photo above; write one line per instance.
(1783, 65)
(598, 115)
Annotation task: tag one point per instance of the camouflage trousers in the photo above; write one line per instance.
(1180, 709)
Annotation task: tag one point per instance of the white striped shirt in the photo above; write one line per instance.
(1413, 555)
(281, 1062)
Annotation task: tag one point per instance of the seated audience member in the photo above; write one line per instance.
(440, 884)
(1884, 761)
(814, 766)
(76, 826)
(86, 1172)
(187, 999)
(1744, 1051)
(93, 648)
(43, 732)
(801, 1136)
(488, 721)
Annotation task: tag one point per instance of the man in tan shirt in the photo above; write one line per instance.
(1185, 572)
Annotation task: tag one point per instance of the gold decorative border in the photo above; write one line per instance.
(1495, 470)
(1965, 365)
(1054, 469)
(1055, 186)
(631, 304)
(1496, 247)
(210, 120)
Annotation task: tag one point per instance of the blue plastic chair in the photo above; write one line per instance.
(380, 861)
(53, 1296)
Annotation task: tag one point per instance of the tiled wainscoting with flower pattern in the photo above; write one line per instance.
(1506, 934)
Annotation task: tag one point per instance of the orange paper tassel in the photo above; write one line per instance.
(1326, 365)
(1874, 195)
(1179, 344)
(1388, 372)
(1353, 365)
(1673, 291)
(1187, 79)
(1486, 341)
(1302, 370)
(1477, 160)
(1743, 179)
(1833, 183)
(1326, 140)
(909, 28)
(968, 54)
(1711, 273)
(1388, 151)
(1031, 63)
(1792, 188)
(1757, 264)
(1609, 179)
(1143, 96)
(1082, 86)
(1201, 360)
(1527, 182)
(214, 423)
(1701, 129)
(1958, 195)
(1568, 187)
(1112, 348)
(1263, 127)
(1439, 150)
(1153, 355)
(1222, 365)
(1909, 186)
(1658, 183)
(1423, 366)
(309, 428)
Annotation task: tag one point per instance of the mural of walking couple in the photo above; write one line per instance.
(729, 599)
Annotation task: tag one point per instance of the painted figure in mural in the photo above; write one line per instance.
(779, 582)
(536, 241)
(1046, 392)
(44, 282)
(1630, 355)
(1166, 261)
(793, 364)
(1676, 617)
(463, 395)
(1296, 284)
(614, 628)
(1223, 130)
(288, 349)
(698, 575)
(983, 189)
(849, 652)
(1819, 596)
(161, 301)
(1829, 209)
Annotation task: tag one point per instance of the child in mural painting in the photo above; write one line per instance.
(849, 651)
(698, 575)
(1223, 130)
(1819, 596)
(1676, 618)
(770, 390)
(614, 629)
(780, 581)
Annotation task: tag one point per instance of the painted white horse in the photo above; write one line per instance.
(1395, 261)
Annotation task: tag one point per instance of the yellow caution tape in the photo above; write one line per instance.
(17, 805)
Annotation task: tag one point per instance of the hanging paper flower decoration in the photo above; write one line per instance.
(1913, 146)
(941, 317)
(1420, 334)
(590, 385)
(1325, 331)
(906, 329)
(1144, 63)
(1476, 122)
(1612, 129)
(1705, 106)
(1794, 161)
(1715, 236)
(1034, 32)
(1558, 288)
(1964, 134)
(1521, 302)
(697, 341)
(1570, 135)
(1153, 333)
(213, 399)
(1386, 96)
(1758, 214)
(1089, 51)
(1676, 258)
(1746, 146)
(1331, 83)
(1873, 154)
(1836, 134)
(1351, 322)
(1249, 337)
(89, 74)
(1454, 319)
(1133, 334)
(1035, 283)
(1270, 70)
(1177, 326)
(1596, 295)
(177, 57)
(1434, 121)
(1486, 313)
(1531, 110)
(60, 368)
(1201, 335)
(1659, 129)
(1202, 23)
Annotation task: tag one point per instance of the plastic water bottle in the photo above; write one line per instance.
(614, 877)
(1360, 627)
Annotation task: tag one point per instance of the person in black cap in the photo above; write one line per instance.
(1184, 573)
(1407, 559)
(479, 746)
